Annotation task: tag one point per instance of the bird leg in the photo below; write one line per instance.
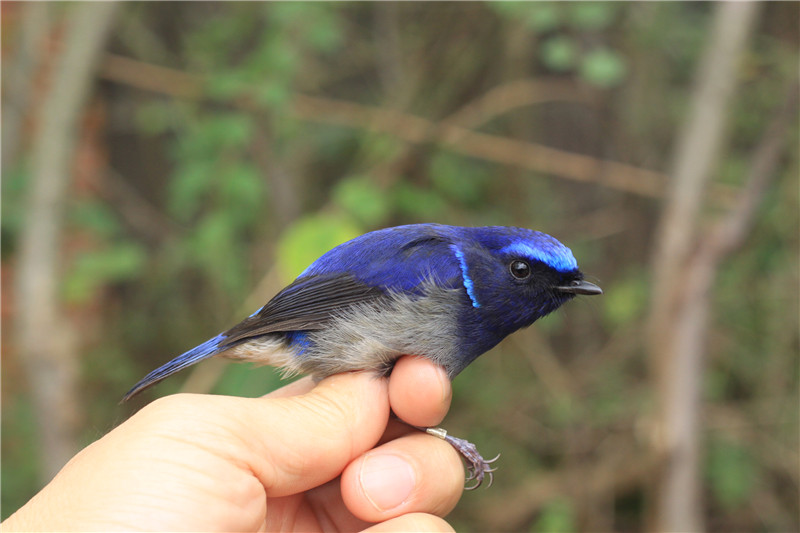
(477, 466)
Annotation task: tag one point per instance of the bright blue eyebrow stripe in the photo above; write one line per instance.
(462, 262)
(552, 254)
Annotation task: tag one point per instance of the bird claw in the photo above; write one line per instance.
(477, 466)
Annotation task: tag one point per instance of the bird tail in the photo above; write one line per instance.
(208, 349)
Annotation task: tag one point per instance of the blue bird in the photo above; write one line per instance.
(447, 293)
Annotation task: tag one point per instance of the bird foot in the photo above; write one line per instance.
(477, 467)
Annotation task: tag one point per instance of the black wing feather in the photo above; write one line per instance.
(307, 304)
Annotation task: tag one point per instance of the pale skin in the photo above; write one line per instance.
(324, 457)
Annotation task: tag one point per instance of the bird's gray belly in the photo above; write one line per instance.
(372, 337)
(369, 337)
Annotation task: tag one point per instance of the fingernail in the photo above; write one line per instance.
(387, 480)
(444, 383)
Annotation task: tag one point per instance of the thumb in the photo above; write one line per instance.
(300, 442)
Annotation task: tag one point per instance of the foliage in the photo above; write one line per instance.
(240, 181)
(310, 237)
(557, 517)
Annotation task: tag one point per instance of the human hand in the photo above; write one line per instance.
(304, 458)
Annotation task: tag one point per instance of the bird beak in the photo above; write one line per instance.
(580, 286)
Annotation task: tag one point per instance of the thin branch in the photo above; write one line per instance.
(732, 230)
(140, 214)
(514, 95)
(417, 130)
(526, 155)
(699, 141)
(149, 77)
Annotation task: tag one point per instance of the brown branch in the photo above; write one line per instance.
(413, 129)
(149, 77)
(732, 230)
(514, 95)
(525, 155)
(139, 213)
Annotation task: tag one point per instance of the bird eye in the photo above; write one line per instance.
(519, 269)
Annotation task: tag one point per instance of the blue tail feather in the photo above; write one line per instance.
(208, 349)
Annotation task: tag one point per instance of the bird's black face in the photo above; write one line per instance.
(516, 290)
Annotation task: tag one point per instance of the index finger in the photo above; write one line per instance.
(302, 441)
(419, 391)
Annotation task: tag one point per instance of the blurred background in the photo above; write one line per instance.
(168, 167)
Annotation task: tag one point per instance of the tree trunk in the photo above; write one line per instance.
(46, 346)
(680, 305)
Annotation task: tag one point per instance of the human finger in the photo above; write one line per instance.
(300, 442)
(415, 473)
(419, 391)
(295, 388)
(411, 522)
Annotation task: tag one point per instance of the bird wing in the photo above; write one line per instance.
(307, 304)
(397, 259)
(361, 271)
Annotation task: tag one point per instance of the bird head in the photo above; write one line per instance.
(515, 276)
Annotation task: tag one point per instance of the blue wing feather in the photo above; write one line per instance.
(398, 259)
(208, 349)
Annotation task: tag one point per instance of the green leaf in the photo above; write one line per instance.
(563, 411)
(380, 147)
(241, 191)
(95, 217)
(310, 237)
(539, 16)
(273, 60)
(225, 85)
(591, 16)
(20, 482)
(92, 270)
(286, 13)
(216, 247)
(559, 53)
(418, 202)
(603, 68)
(325, 34)
(363, 199)
(626, 300)
(213, 236)
(732, 472)
(154, 118)
(556, 517)
(189, 186)
(458, 178)
(542, 16)
(206, 138)
(230, 129)
(273, 94)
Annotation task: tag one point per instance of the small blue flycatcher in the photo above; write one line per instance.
(447, 293)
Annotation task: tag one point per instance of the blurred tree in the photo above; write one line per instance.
(229, 144)
(681, 282)
(46, 344)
